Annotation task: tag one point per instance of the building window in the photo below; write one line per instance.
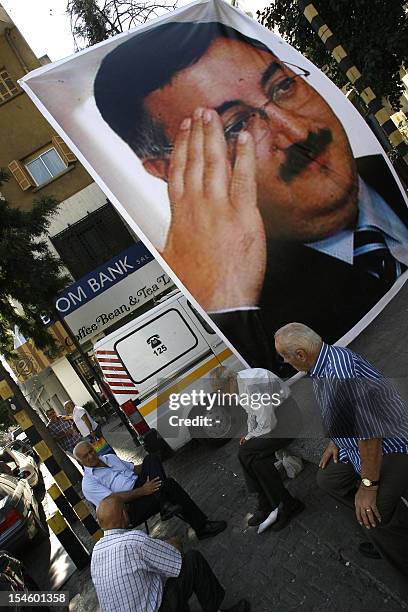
(40, 168)
(92, 241)
(45, 167)
(8, 88)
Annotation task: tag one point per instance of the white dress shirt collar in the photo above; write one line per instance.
(373, 210)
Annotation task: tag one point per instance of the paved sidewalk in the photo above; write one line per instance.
(313, 564)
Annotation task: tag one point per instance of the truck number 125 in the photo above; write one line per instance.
(160, 349)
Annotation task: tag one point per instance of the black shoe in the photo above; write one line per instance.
(287, 513)
(258, 517)
(242, 606)
(368, 550)
(169, 510)
(211, 529)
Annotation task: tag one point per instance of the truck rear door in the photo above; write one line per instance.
(160, 348)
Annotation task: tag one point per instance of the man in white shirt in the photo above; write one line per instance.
(86, 425)
(145, 488)
(136, 573)
(256, 454)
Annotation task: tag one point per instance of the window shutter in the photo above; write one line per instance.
(21, 175)
(67, 156)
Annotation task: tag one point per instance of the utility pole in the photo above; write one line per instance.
(375, 106)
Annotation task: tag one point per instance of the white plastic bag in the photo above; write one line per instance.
(293, 465)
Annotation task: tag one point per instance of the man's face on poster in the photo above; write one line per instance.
(305, 171)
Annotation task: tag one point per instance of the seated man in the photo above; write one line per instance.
(256, 453)
(132, 571)
(145, 488)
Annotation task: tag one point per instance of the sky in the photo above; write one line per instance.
(46, 27)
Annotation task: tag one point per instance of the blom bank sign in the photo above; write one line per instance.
(112, 291)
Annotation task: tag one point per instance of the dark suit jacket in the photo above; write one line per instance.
(310, 287)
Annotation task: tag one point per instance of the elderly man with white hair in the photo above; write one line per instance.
(366, 462)
(145, 489)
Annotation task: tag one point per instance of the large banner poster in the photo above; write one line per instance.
(245, 170)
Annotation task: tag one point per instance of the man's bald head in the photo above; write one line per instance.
(85, 453)
(80, 448)
(111, 514)
(298, 345)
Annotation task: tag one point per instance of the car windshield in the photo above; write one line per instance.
(16, 433)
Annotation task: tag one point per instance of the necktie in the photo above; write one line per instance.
(372, 255)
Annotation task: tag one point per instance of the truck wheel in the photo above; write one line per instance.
(220, 426)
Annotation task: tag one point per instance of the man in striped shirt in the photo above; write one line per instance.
(62, 431)
(366, 462)
(133, 572)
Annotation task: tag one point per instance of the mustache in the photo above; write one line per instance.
(300, 154)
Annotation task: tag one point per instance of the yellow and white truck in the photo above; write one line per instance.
(168, 353)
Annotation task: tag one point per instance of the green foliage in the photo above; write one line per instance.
(94, 411)
(91, 407)
(6, 420)
(88, 23)
(373, 32)
(95, 20)
(30, 274)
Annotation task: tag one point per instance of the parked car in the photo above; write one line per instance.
(16, 432)
(20, 464)
(22, 517)
(14, 578)
(19, 436)
(22, 444)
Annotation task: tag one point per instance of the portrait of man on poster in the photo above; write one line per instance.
(272, 218)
